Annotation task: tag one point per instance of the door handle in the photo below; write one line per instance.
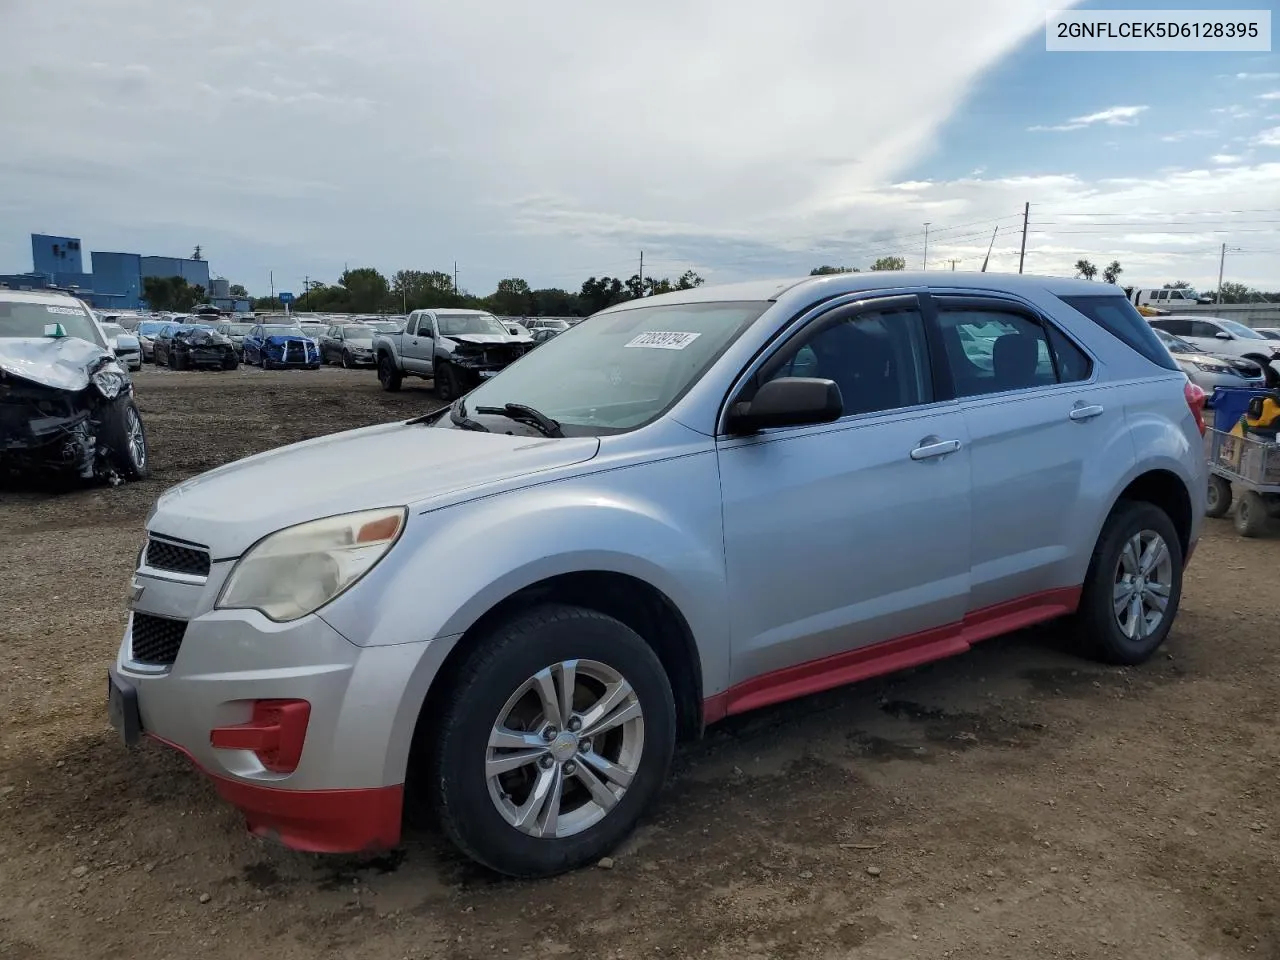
(936, 448)
(1085, 411)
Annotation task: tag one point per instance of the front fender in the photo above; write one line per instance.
(659, 522)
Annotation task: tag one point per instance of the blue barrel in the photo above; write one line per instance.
(1230, 404)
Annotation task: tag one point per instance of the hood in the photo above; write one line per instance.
(283, 338)
(202, 338)
(63, 363)
(230, 508)
(125, 340)
(481, 339)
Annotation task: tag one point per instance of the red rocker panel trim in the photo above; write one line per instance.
(890, 656)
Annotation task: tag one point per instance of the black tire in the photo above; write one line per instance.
(172, 361)
(1218, 501)
(494, 669)
(1097, 617)
(388, 375)
(116, 422)
(445, 378)
(262, 360)
(1252, 517)
(346, 360)
(230, 362)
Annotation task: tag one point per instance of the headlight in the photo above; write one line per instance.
(110, 380)
(1214, 367)
(296, 571)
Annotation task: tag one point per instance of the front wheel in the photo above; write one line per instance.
(553, 741)
(346, 360)
(1218, 500)
(447, 386)
(1133, 586)
(124, 439)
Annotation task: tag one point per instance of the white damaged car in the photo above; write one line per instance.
(66, 401)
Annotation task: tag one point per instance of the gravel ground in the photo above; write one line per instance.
(1013, 802)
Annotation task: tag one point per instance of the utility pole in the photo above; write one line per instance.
(1222, 264)
(1026, 217)
(642, 273)
(953, 263)
(455, 278)
(272, 275)
(306, 287)
(926, 244)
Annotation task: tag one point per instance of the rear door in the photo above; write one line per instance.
(1033, 411)
(848, 534)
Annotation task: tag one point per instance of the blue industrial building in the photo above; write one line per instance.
(116, 280)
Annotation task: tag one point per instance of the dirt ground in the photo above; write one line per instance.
(1014, 802)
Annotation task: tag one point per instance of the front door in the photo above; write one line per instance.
(853, 533)
(418, 345)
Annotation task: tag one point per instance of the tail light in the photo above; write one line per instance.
(1195, 402)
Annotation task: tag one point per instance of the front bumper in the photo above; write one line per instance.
(346, 792)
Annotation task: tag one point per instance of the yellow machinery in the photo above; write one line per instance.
(1261, 420)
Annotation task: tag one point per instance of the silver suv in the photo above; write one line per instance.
(692, 506)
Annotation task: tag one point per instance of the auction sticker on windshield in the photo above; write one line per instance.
(63, 311)
(664, 340)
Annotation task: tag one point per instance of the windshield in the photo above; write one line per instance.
(149, 328)
(29, 319)
(114, 330)
(621, 370)
(237, 329)
(1240, 330)
(1175, 344)
(460, 324)
(281, 330)
(357, 333)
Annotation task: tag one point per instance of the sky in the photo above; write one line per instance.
(557, 140)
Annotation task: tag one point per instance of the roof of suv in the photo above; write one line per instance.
(839, 283)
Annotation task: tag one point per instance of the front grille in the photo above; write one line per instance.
(156, 640)
(163, 555)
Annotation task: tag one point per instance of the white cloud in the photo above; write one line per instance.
(1273, 95)
(1234, 111)
(1180, 135)
(1111, 117)
(1269, 138)
(1258, 76)
(1226, 158)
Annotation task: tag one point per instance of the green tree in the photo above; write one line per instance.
(826, 270)
(423, 289)
(171, 293)
(513, 298)
(890, 263)
(554, 302)
(1233, 292)
(1086, 269)
(1112, 272)
(368, 289)
(688, 280)
(1178, 285)
(601, 293)
(237, 290)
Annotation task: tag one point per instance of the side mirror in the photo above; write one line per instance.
(788, 402)
(55, 330)
(1223, 335)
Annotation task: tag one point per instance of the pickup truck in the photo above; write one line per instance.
(456, 349)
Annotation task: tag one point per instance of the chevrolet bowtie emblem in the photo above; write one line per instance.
(135, 591)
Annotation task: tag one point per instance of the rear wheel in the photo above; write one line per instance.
(555, 738)
(1133, 586)
(1218, 501)
(1252, 518)
(388, 375)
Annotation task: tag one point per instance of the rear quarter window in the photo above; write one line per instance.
(1121, 319)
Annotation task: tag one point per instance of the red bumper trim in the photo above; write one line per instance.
(314, 821)
(890, 656)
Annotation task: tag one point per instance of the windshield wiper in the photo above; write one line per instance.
(522, 413)
(458, 417)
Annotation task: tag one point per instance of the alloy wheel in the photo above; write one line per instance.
(137, 443)
(564, 749)
(1143, 584)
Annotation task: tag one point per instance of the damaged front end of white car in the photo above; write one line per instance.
(67, 409)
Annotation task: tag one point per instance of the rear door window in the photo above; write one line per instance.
(991, 350)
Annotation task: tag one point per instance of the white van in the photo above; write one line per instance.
(1166, 297)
